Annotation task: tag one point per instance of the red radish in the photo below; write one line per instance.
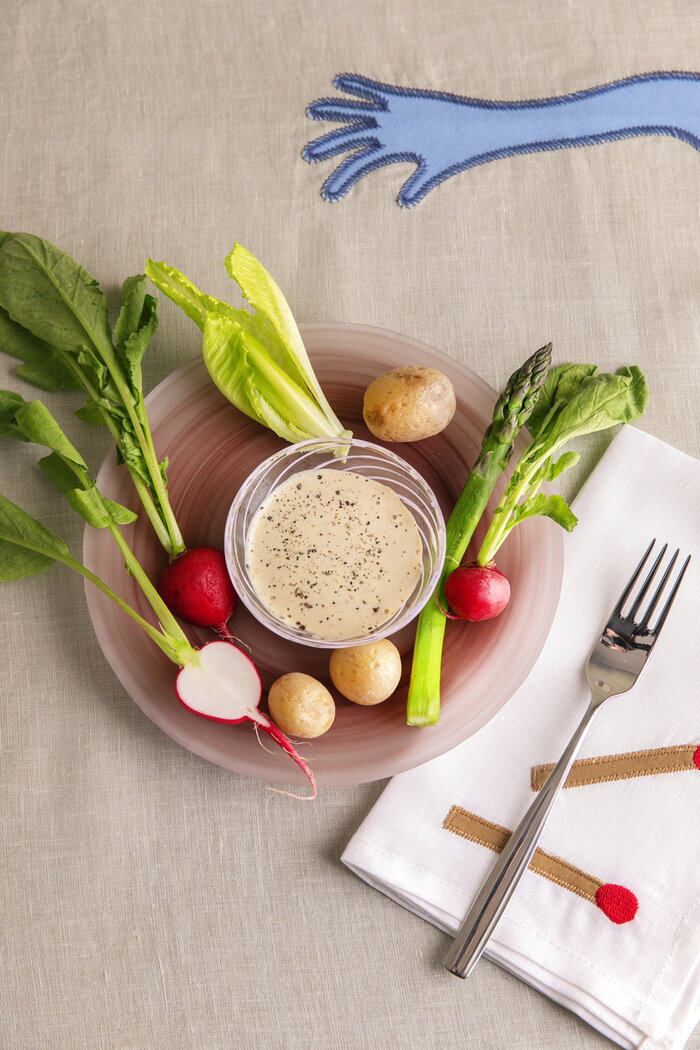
(477, 592)
(217, 681)
(196, 587)
(224, 685)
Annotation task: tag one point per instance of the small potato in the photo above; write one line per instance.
(366, 674)
(300, 705)
(409, 404)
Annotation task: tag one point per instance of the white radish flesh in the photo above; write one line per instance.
(225, 686)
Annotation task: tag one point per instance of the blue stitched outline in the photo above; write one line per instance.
(380, 162)
(356, 115)
(338, 108)
(339, 141)
(534, 147)
(366, 85)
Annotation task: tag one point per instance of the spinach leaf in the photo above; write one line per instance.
(599, 403)
(43, 366)
(26, 546)
(562, 382)
(555, 467)
(50, 294)
(64, 467)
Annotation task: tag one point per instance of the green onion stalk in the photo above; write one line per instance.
(512, 409)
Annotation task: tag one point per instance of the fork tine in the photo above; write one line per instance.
(636, 605)
(635, 576)
(644, 623)
(669, 601)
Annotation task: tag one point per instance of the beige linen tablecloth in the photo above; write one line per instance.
(150, 900)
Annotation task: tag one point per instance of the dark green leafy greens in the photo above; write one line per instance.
(28, 547)
(54, 318)
(64, 466)
(573, 400)
(210, 681)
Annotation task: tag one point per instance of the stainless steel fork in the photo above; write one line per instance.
(613, 667)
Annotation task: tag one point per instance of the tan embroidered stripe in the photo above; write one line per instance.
(493, 836)
(622, 767)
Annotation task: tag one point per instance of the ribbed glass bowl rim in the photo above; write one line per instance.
(301, 449)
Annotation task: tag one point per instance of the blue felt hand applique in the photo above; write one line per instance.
(444, 134)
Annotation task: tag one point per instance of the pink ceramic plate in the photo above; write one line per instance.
(211, 448)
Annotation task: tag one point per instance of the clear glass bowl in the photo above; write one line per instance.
(361, 457)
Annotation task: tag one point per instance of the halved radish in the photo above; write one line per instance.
(224, 686)
(217, 681)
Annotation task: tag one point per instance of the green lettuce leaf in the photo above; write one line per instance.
(256, 359)
(273, 313)
(246, 374)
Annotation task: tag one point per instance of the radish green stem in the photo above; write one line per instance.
(502, 522)
(166, 618)
(176, 650)
(165, 538)
(58, 303)
(176, 647)
(176, 544)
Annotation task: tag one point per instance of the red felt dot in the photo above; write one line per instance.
(696, 758)
(618, 903)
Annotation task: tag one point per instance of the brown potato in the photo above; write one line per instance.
(409, 404)
(366, 674)
(300, 705)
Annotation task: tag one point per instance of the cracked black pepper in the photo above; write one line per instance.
(333, 553)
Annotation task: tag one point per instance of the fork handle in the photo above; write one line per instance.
(512, 863)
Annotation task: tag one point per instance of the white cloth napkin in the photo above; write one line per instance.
(637, 982)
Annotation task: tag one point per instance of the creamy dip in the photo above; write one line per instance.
(333, 553)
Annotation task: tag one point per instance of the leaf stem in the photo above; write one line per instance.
(166, 618)
(164, 534)
(423, 705)
(502, 521)
(511, 410)
(144, 437)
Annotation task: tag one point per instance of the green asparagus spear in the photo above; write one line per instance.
(512, 409)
